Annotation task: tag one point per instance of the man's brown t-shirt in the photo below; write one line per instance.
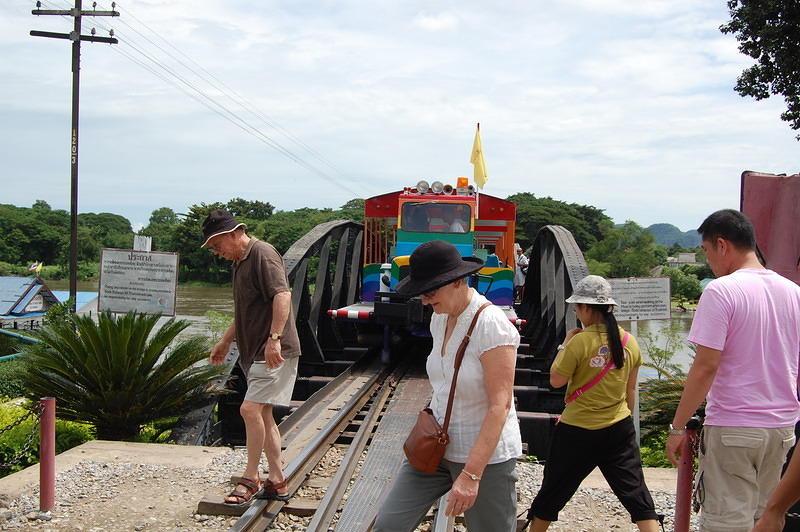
(257, 277)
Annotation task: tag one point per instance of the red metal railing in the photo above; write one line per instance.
(683, 492)
(47, 455)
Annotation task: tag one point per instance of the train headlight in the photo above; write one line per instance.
(437, 187)
(423, 186)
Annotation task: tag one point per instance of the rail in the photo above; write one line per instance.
(327, 508)
(261, 513)
(19, 337)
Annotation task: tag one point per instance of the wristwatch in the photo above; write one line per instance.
(561, 347)
(673, 431)
(473, 476)
(275, 336)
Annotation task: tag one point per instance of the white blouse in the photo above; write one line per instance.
(471, 402)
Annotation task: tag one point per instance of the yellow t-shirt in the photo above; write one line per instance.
(584, 358)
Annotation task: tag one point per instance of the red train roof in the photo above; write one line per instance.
(489, 207)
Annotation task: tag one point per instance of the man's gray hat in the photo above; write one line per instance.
(592, 290)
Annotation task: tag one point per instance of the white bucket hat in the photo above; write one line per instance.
(592, 290)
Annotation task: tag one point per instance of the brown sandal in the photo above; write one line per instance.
(270, 491)
(243, 497)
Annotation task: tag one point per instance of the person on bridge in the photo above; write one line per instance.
(266, 337)
(599, 364)
(747, 332)
(479, 465)
(786, 493)
(520, 271)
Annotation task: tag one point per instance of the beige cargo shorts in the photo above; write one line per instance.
(739, 468)
(271, 386)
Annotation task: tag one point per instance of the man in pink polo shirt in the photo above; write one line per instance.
(747, 333)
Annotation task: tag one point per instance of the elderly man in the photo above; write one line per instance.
(269, 347)
(747, 333)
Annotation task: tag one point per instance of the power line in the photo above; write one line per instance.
(242, 100)
(229, 114)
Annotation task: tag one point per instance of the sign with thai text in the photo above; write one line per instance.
(144, 281)
(641, 298)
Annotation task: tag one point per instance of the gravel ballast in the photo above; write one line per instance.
(103, 497)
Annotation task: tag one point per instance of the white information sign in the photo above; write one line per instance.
(142, 243)
(144, 281)
(641, 298)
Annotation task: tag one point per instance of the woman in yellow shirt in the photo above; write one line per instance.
(600, 364)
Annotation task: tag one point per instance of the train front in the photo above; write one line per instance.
(396, 223)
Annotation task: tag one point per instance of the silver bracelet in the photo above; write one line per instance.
(676, 431)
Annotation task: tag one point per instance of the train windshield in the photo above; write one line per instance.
(436, 217)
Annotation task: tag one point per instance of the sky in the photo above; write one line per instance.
(624, 105)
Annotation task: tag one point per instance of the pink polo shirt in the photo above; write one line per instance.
(753, 317)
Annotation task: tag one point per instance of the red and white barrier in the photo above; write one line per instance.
(363, 315)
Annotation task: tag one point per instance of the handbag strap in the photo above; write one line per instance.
(457, 364)
(586, 387)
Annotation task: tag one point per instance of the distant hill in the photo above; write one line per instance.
(668, 234)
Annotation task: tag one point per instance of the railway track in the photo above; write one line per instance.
(368, 407)
(354, 400)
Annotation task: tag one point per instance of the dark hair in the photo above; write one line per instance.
(731, 225)
(614, 339)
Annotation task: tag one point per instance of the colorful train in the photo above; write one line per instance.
(396, 223)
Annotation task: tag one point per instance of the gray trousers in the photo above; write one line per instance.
(413, 494)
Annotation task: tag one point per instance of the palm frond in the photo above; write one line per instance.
(120, 372)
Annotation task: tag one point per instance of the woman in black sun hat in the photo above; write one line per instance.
(479, 464)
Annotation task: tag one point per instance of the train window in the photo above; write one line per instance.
(436, 217)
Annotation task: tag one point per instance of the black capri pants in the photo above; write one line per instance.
(575, 452)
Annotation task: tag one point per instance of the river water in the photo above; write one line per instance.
(195, 300)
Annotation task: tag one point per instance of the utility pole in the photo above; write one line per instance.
(76, 38)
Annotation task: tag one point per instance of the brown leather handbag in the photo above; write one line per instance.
(428, 440)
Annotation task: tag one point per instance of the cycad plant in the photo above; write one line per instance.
(118, 373)
(660, 398)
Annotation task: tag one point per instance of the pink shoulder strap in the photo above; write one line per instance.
(586, 387)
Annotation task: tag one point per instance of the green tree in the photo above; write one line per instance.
(41, 205)
(701, 272)
(253, 210)
(197, 263)
(119, 373)
(587, 224)
(768, 32)
(682, 284)
(630, 250)
(284, 228)
(161, 228)
(352, 210)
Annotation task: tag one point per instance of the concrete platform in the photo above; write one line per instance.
(23, 481)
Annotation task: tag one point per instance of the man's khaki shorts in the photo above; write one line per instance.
(739, 468)
(271, 386)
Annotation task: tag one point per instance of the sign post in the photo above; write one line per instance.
(143, 281)
(641, 298)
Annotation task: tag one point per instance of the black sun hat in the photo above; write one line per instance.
(218, 222)
(433, 265)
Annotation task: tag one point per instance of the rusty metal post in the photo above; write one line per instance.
(683, 492)
(47, 454)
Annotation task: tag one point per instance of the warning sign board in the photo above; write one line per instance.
(144, 281)
(641, 298)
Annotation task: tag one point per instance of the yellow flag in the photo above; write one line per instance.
(479, 174)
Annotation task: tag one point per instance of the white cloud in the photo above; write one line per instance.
(624, 105)
(439, 22)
